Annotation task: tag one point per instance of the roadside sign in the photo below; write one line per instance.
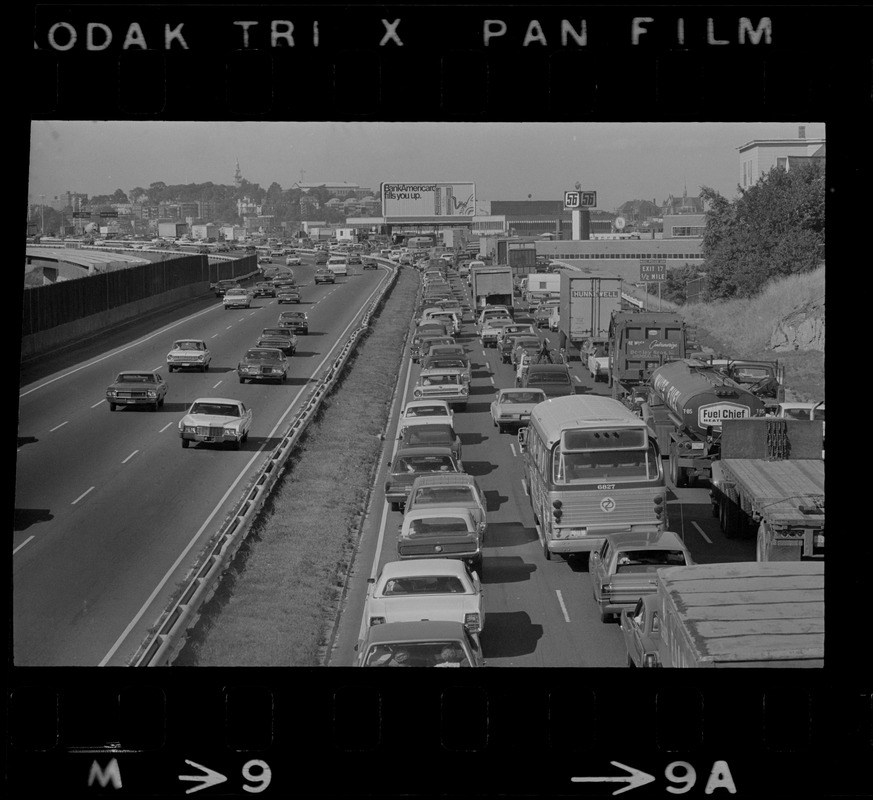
(108, 214)
(580, 199)
(81, 215)
(653, 270)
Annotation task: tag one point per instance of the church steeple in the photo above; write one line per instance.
(237, 176)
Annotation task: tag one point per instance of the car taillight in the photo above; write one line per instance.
(471, 622)
(377, 620)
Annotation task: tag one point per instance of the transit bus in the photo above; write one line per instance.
(591, 468)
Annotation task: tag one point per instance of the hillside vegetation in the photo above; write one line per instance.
(743, 327)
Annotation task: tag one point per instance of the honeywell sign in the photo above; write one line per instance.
(715, 413)
(428, 199)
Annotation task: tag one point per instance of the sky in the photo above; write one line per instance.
(506, 161)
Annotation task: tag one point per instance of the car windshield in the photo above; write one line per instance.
(424, 584)
(438, 526)
(425, 464)
(135, 378)
(439, 380)
(261, 355)
(416, 654)
(522, 397)
(426, 411)
(292, 315)
(548, 377)
(280, 332)
(189, 345)
(428, 434)
(648, 560)
(216, 409)
(446, 363)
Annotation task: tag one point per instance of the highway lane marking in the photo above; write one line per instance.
(563, 607)
(165, 427)
(512, 447)
(220, 504)
(99, 404)
(228, 327)
(130, 456)
(81, 496)
(29, 538)
(58, 426)
(578, 379)
(700, 531)
(215, 386)
(487, 365)
(214, 336)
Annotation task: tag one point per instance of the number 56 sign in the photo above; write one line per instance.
(577, 199)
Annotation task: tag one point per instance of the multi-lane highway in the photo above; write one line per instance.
(111, 511)
(538, 612)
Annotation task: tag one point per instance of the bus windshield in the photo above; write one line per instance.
(600, 465)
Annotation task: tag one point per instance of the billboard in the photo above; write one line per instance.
(428, 199)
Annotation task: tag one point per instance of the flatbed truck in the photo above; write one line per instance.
(769, 483)
(738, 614)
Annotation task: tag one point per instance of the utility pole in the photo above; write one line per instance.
(42, 214)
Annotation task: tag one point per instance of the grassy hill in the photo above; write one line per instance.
(742, 328)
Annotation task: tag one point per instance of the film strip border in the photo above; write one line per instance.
(453, 62)
(400, 735)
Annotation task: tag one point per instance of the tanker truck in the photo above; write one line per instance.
(686, 404)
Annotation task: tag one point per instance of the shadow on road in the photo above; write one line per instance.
(506, 569)
(509, 633)
(508, 534)
(25, 517)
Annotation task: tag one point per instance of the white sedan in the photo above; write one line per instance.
(216, 420)
(513, 406)
(424, 589)
(189, 353)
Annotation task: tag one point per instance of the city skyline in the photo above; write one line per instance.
(506, 161)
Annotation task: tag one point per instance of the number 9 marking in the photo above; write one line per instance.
(261, 776)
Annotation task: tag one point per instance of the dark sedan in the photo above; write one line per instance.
(263, 364)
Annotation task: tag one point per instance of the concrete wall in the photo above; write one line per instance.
(62, 335)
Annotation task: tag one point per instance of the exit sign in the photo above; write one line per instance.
(653, 270)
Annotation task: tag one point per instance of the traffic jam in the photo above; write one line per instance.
(596, 462)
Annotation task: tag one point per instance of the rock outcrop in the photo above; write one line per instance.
(802, 329)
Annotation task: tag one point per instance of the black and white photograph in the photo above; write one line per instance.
(316, 374)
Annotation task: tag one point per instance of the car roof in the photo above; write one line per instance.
(654, 539)
(187, 339)
(548, 368)
(450, 479)
(423, 566)
(425, 403)
(423, 631)
(216, 400)
(137, 372)
(419, 452)
(520, 390)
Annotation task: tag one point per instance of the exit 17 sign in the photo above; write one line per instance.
(653, 270)
(579, 199)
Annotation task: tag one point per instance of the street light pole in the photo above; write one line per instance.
(42, 214)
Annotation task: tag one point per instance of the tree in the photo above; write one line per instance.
(119, 196)
(773, 229)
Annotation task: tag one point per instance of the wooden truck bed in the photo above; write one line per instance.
(777, 488)
(746, 614)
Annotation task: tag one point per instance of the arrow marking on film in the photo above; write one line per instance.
(209, 779)
(634, 778)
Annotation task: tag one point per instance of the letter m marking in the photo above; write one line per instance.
(103, 777)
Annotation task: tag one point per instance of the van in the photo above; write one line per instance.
(338, 265)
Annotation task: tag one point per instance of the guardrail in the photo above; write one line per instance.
(162, 643)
